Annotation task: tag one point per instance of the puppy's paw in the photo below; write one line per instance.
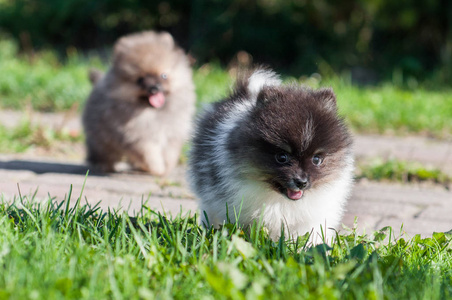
(157, 168)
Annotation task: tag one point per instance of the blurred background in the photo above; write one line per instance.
(389, 63)
(406, 41)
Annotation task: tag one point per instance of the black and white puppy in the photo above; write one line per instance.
(276, 152)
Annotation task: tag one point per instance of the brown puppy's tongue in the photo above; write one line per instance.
(157, 100)
(294, 195)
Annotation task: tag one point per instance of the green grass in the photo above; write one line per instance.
(386, 109)
(212, 83)
(395, 170)
(52, 251)
(25, 135)
(41, 80)
(47, 84)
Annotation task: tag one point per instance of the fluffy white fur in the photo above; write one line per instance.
(262, 78)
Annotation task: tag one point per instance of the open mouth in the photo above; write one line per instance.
(294, 194)
(156, 100)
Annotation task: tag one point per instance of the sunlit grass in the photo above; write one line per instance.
(53, 250)
(25, 135)
(47, 84)
(41, 81)
(386, 109)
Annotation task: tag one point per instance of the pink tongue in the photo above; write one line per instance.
(294, 195)
(157, 100)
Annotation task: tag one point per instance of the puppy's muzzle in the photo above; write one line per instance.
(150, 84)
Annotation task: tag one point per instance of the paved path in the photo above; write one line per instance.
(421, 208)
(430, 152)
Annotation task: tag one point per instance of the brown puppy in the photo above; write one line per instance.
(141, 109)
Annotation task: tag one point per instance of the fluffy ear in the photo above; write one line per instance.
(268, 94)
(122, 46)
(121, 56)
(328, 97)
(191, 59)
(95, 75)
(166, 39)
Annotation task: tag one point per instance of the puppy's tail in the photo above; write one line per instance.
(261, 78)
(251, 83)
(95, 75)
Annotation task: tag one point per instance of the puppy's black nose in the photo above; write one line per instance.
(301, 182)
(154, 89)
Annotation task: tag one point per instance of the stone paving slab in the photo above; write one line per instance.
(126, 191)
(410, 227)
(422, 209)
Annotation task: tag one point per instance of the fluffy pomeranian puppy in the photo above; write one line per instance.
(273, 153)
(142, 108)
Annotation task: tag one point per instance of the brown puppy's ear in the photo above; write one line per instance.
(120, 49)
(123, 49)
(191, 59)
(167, 39)
(122, 46)
(328, 97)
(95, 75)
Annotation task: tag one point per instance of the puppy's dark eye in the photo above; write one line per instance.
(164, 76)
(140, 80)
(317, 160)
(282, 158)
